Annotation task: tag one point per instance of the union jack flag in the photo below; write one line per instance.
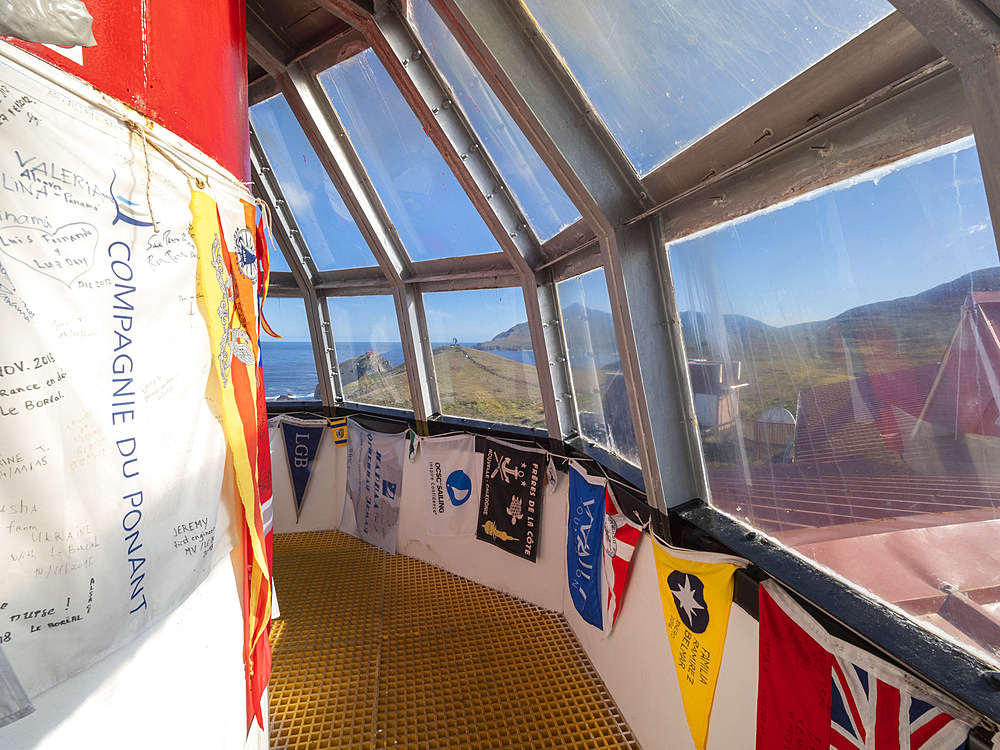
(870, 714)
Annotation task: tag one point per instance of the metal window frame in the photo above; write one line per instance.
(401, 53)
(967, 32)
(326, 134)
(899, 70)
(836, 119)
(528, 77)
(303, 268)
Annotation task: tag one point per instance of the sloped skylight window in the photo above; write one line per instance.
(664, 73)
(328, 229)
(483, 357)
(545, 204)
(431, 212)
(369, 351)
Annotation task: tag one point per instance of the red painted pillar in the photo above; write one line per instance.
(182, 63)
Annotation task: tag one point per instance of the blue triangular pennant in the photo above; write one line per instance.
(301, 445)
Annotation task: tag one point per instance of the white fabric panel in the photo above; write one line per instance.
(453, 473)
(179, 685)
(111, 463)
(374, 483)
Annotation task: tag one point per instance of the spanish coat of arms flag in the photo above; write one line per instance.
(816, 691)
(229, 285)
(696, 591)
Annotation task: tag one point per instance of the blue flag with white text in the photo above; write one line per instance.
(584, 540)
(302, 439)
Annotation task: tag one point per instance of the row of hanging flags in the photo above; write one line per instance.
(815, 691)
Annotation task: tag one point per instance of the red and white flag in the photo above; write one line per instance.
(817, 692)
(621, 536)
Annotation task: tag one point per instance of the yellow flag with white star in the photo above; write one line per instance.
(696, 591)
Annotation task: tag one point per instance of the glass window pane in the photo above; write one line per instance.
(333, 238)
(276, 258)
(598, 384)
(366, 333)
(289, 365)
(545, 204)
(430, 210)
(844, 361)
(664, 73)
(483, 357)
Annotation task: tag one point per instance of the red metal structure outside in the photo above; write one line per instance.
(182, 63)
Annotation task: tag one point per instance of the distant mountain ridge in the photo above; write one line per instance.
(582, 324)
(930, 314)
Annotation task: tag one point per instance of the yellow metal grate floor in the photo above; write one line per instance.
(378, 651)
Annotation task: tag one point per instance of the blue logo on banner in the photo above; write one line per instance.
(246, 254)
(583, 546)
(459, 487)
(389, 489)
(301, 446)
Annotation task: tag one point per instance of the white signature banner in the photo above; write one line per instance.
(375, 483)
(111, 463)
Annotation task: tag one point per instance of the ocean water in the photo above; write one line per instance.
(290, 369)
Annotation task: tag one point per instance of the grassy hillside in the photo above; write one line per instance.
(881, 337)
(471, 383)
(777, 362)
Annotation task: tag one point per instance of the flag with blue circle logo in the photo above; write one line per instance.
(452, 470)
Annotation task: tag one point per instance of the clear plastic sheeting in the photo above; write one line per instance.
(289, 364)
(369, 351)
(598, 384)
(329, 231)
(664, 73)
(545, 204)
(430, 210)
(845, 364)
(483, 359)
(65, 22)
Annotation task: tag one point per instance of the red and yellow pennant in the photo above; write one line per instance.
(227, 297)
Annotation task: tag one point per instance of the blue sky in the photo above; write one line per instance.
(331, 234)
(430, 210)
(589, 289)
(473, 316)
(892, 233)
(469, 316)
